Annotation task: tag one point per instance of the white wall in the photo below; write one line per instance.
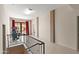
(2, 19)
(0, 29)
(66, 27)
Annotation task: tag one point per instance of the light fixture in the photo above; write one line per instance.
(28, 11)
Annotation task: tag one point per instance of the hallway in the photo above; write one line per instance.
(37, 28)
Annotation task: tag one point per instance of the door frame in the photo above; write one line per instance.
(52, 26)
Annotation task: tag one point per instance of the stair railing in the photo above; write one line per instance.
(35, 46)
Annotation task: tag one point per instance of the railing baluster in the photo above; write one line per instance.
(43, 48)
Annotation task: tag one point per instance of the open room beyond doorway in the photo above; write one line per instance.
(22, 25)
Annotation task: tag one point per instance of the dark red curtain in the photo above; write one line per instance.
(13, 23)
(27, 27)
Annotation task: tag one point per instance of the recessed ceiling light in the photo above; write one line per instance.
(28, 11)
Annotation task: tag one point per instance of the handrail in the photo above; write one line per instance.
(33, 45)
(36, 39)
(20, 34)
(30, 36)
(37, 44)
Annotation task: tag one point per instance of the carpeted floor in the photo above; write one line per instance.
(17, 50)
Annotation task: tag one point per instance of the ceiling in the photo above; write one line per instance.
(18, 9)
(75, 6)
(36, 7)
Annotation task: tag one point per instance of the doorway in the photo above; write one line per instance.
(21, 29)
(52, 26)
(22, 26)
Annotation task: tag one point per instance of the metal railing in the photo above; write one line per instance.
(33, 45)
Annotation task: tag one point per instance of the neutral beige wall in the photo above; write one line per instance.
(0, 31)
(1, 22)
(66, 27)
(44, 27)
(4, 19)
(44, 24)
